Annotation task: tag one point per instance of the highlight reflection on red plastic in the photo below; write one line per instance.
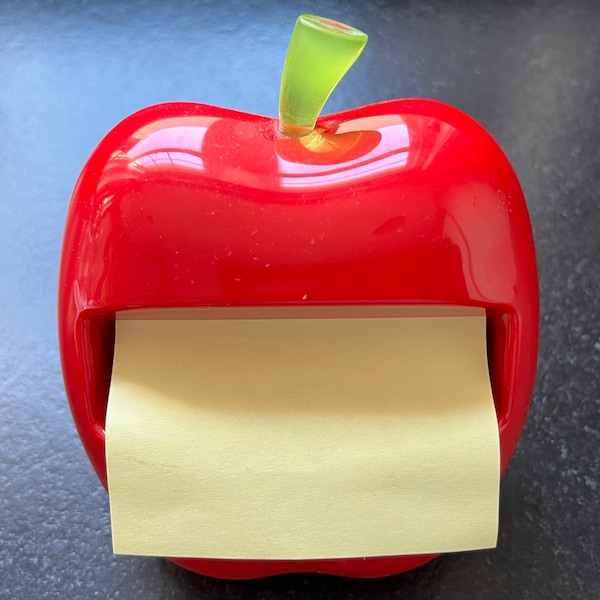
(403, 202)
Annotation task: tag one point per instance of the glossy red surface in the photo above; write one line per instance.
(403, 202)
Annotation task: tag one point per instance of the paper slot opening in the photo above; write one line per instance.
(302, 435)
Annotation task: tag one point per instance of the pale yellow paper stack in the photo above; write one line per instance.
(302, 433)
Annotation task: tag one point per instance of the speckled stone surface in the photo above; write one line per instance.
(528, 71)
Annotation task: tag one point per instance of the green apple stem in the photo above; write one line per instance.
(320, 53)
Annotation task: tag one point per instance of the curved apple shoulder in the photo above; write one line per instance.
(408, 202)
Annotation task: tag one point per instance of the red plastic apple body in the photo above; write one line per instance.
(403, 202)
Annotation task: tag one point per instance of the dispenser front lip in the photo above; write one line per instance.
(96, 282)
(88, 408)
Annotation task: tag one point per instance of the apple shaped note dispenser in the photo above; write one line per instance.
(405, 203)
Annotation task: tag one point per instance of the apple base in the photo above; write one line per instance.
(373, 567)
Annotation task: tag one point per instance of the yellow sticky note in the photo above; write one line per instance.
(302, 434)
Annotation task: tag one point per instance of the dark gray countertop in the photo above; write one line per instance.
(528, 71)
